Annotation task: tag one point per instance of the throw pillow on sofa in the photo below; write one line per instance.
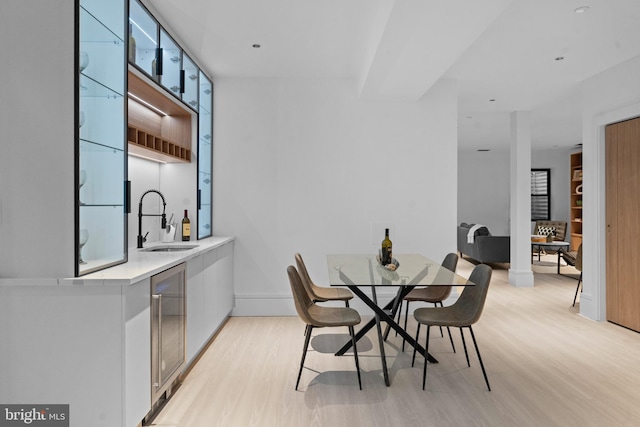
(546, 231)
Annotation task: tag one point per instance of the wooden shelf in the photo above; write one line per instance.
(158, 127)
(146, 144)
(575, 181)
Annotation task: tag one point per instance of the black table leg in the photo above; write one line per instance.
(381, 315)
(395, 303)
(383, 356)
(371, 323)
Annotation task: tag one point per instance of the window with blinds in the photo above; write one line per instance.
(540, 194)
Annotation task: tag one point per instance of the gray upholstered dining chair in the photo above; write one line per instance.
(462, 314)
(431, 294)
(316, 316)
(320, 293)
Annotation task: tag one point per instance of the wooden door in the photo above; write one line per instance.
(623, 226)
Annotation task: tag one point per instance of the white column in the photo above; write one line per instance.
(520, 273)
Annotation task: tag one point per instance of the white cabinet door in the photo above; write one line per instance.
(218, 279)
(196, 306)
(224, 279)
(137, 351)
(211, 292)
(209, 296)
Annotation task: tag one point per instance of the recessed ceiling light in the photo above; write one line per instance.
(256, 46)
(581, 9)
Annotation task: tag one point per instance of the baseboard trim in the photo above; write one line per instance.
(252, 305)
(521, 279)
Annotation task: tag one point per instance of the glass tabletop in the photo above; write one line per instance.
(413, 270)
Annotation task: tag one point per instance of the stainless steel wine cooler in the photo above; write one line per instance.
(168, 329)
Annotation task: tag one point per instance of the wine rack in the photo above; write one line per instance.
(146, 144)
(576, 200)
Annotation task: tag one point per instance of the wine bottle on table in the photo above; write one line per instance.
(186, 227)
(386, 255)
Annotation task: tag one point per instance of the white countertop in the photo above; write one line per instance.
(141, 264)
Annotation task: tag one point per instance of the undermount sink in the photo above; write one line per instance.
(170, 248)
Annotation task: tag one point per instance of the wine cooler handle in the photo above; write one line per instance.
(158, 298)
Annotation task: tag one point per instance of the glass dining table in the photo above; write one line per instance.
(359, 271)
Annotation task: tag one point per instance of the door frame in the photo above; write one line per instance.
(593, 301)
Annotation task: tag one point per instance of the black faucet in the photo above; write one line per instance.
(142, 239)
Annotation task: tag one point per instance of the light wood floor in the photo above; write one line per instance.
(547, 365)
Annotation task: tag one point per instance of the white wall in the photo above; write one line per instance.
(37, 139)
(304, 166)
(483, 190)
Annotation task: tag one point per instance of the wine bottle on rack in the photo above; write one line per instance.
(186, 227)
(386, 254)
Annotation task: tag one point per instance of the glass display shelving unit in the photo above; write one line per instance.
(205, 156)
(143, 40)
(101, 149)
(171, 64)
(190, 71)
(157, 55)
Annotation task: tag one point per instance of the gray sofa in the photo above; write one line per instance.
(485, 247)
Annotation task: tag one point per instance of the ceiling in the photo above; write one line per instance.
(502, 53)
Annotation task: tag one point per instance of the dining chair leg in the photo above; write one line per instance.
(426, 351)
(435, 304)
(346, 303)
(413, 360)
(577, 288)
(480, 358)
(451, 339)
(355, 354)
(464, 344)
(304, 353)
